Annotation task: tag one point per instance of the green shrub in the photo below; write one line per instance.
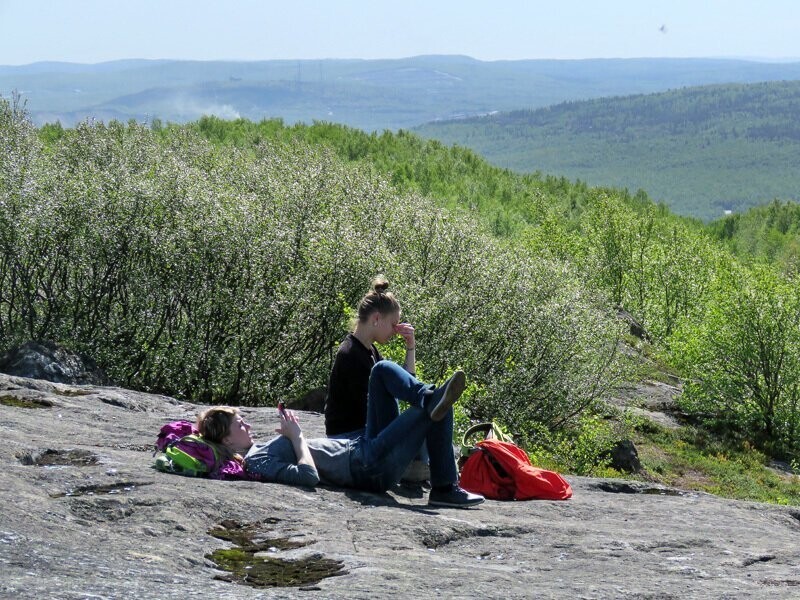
(744, 357)
(584, 448)
(222, 274)
(659, 269)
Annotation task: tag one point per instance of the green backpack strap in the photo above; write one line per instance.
(500, 434)
(196, 437)
(486, 430)
(191, 455)
(164, 464)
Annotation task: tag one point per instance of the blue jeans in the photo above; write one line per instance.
(349, 435)
(392, 440)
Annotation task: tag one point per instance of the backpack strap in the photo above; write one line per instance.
(198, 440)
(483, 428)
(488, 430)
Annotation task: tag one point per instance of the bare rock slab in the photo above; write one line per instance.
(84, 515)
(49, 361)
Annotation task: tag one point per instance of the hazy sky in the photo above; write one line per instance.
(100, 30)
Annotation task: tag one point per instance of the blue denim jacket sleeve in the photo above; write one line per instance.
(298, 475)
(276, 461)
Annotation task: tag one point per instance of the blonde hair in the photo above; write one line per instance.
(377, 300)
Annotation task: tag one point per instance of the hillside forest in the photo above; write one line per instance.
(701, 150)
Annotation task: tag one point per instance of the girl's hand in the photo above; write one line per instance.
(407, 332)
(289, 425)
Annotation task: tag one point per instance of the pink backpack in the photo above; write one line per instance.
(172, 432)
(182, 450)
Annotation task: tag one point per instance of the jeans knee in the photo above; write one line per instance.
(383, 365)
(382, 368)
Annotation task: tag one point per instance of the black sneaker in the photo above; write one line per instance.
(445, 396)
(454, 497)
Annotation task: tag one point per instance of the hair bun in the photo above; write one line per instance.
(379, 299)
(380, 284)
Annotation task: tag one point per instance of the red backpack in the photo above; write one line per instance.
(502, 471)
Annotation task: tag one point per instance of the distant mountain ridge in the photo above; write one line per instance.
(702, 150)
(368, 94)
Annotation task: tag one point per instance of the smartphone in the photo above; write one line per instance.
(282, 408)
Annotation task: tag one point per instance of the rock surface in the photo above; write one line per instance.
(51, 362)
(625, 457)
(653, 400)
(85, 516)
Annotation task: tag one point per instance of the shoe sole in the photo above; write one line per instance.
(455, 505)
(455, 387)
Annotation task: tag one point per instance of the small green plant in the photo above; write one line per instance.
(583, 449)
(692, 458)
